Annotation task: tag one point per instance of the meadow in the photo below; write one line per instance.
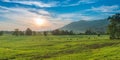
(65, 47)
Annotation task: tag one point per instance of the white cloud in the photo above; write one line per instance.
(112, 8)
(6, 0)
(43, 12)
(79, 2)
(52, 3)
(35, 3)
(75, 17)
(23, 18)
(88, 1)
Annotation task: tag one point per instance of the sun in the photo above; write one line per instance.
(39, 21)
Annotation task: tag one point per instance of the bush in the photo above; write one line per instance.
(1, 33)
(28, 32)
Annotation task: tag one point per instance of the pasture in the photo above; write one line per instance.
(66, 47)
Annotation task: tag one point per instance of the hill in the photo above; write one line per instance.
(82, 26)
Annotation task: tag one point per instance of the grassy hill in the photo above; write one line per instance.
(77, 47)
(82, 26)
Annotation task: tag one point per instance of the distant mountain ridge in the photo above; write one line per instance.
(82, 26)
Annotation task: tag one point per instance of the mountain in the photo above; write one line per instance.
(82, 26)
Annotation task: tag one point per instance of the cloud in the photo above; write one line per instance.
(75, 16)
(51, 3)
(88, 1)
(113, 8)
(78, 3)
(23, 18)
(19, 15)
(30, 2)
(40, 12)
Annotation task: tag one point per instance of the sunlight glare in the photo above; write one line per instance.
(39, 21)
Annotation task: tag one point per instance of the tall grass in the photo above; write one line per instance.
(74, 47)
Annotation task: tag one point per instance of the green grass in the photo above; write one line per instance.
(76, 47)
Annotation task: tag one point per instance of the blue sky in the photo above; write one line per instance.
(56, 13)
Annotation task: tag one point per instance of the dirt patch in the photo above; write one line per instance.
(95, 46)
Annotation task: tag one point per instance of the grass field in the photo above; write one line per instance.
(76, 47)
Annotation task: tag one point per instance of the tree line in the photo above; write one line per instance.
(29, 32)
(62, 32)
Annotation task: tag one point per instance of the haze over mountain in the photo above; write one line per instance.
(82, 26)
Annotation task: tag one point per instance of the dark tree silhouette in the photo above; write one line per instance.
(56, 32)
(114, 26)
(98, 35)
(16, 32)
(89, 32)
(71, 32)
(45, 33)
(1, 33)
(28, 32)
(34, 33)
(21, 33)
(62, 32)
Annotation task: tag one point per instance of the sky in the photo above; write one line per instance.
(24, 14)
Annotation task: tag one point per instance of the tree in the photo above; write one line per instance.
(62, 32)
(45, 33)
(89, 32)
(98, 35)
(1, 33)
(28, 32)
(71, 32)
(21, 33)
(16, 32)
(56, 32)
(114, 26)
(34, 33)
